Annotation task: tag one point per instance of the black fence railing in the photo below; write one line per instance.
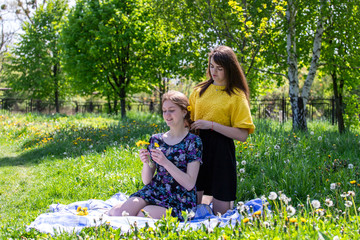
(278, 109)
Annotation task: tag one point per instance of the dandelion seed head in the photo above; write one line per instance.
(291, 210)
(242, 170)
(315, 204)
(272, 196)
(243, 162)
(332, 186)
(311, 133)
(320, 138)
(351, 193)
(350, 166)
(348, 203)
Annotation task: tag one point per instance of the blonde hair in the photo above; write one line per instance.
(180, 100)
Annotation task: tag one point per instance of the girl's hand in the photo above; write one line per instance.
(201, 124)
(158, 157)
(144, 155)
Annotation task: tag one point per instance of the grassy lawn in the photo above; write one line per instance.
(63, 159)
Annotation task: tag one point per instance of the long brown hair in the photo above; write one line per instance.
(235, 78)
(182, 101)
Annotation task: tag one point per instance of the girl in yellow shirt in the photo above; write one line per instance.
(220, 111)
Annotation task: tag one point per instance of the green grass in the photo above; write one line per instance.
(51, 159)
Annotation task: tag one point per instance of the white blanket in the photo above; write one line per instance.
(61, 217)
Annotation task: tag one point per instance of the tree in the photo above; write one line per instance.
(341, 58)
(107, 46)
(34, 66)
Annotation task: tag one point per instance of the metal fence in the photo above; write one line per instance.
(277, 109)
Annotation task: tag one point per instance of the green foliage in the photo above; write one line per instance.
(352, 112)
(50, 159)
(34, 65)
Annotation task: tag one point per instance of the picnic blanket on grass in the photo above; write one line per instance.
(65, 218)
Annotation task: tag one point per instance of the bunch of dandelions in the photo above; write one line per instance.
(82, 211)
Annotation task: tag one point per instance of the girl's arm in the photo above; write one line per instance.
(148, 171)
(186, 179)
(239, 134)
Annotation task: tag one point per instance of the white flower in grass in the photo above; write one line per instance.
(284, 198)
(124, 213)
(272, 196)
(291, 210)
(243, 162)
(351, 193)
(266, 224)
(320, 138)
(336, 238)
(311, 133)
(242, 179)
(359, 209)
(350, 166)
(263, 198)
(344, 195)
(329, 202)
(315, 204)
(242, 170)
(348, 203)
(333, 186)
(276, 147)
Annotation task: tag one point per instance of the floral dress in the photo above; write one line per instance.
(163, 190)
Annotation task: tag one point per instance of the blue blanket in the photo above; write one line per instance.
(61, 217)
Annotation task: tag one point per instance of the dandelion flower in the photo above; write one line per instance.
(348, 203)
(245, 220)
(242, 170)
(353, 181)
(320, 138)
(351, 193)
(329, 202)
(276, 147)
(257, 213)
(344, 195)
(303, 220)
(350, 166)
(311, 133)
(272, 196)
(291, 210)
(333, 186)
(243, 162)
(293, 220)
(336, 238)
(315, 204)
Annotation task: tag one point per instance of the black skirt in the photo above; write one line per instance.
(217, 175)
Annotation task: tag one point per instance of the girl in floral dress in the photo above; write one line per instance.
(171, 164)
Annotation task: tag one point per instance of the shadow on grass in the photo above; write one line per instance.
(74, 141)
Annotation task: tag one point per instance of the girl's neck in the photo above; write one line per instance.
(217, 83)
(178, 132)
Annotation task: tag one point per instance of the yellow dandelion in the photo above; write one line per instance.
(257, 213)
(245, 220)
(293, 220)
(78, 209)
(353, 181)
(303, 220)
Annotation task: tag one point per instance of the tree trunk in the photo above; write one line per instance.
(56, 88)
(297, 106)
(339, 106)
(122, 96)
(109, 103)
(298, 103)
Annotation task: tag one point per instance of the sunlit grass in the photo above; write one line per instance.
(50, 159)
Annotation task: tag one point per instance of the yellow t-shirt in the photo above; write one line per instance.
(216, 105)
